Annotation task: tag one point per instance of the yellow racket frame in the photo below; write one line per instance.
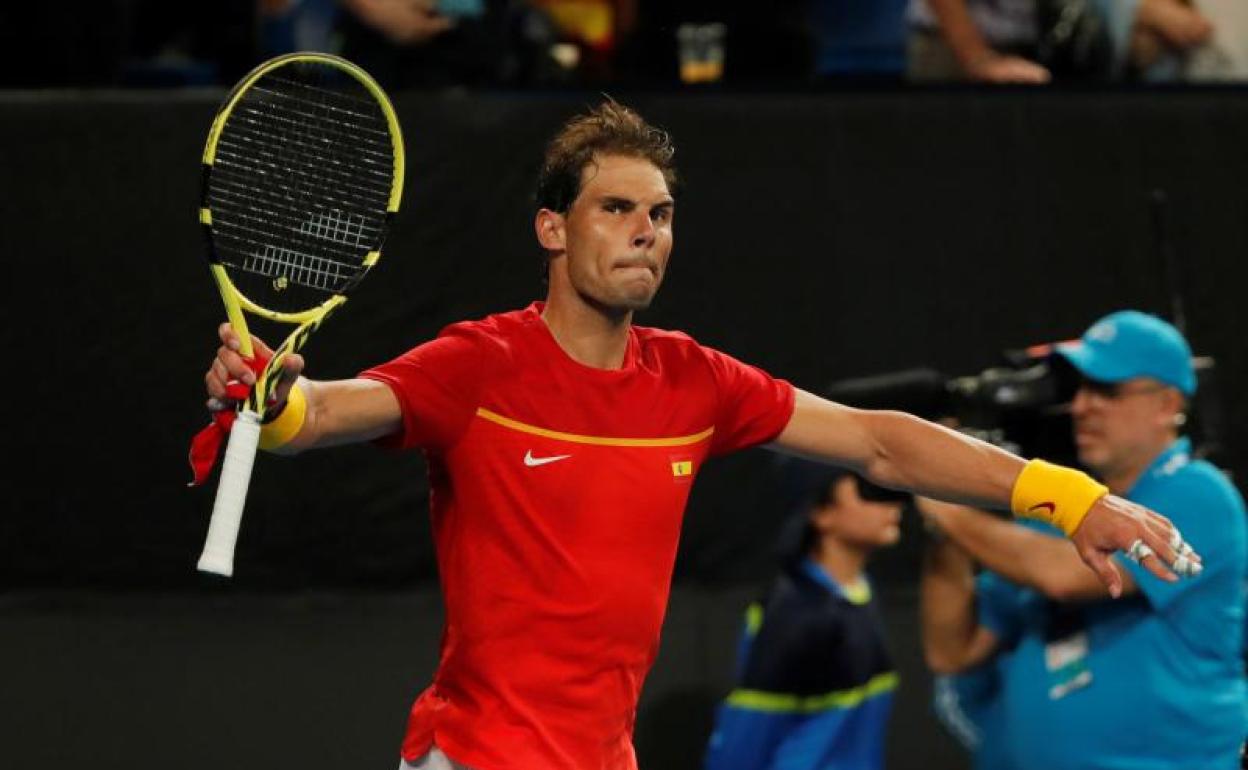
(234, 299)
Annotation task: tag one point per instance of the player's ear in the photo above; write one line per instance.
(551, 231)
(1174, 407)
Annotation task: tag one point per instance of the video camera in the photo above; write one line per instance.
(1021, 404)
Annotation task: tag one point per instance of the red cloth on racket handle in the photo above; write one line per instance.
(206, 445)
(227, 511)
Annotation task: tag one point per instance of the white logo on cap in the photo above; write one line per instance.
(1103, 332)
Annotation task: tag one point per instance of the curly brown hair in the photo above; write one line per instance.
(608, 129)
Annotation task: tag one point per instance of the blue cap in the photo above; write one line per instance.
(1130, 344)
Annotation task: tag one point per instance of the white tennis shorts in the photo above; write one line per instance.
(434, 760)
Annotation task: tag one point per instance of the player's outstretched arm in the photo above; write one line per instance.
(901, 451)
(1025, 556)
(318, 414)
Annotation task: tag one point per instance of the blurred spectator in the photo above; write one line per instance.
(589, 33)
(1080, 672)
(857, 40)
(1223, 57)
(815, 679)
(1034, 41)
(298, 25)
(446, 43)
(631, 43)
(407, 44)
(169, 47)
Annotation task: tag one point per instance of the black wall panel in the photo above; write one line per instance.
(819, 236)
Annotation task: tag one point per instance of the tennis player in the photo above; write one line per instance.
(562, 442)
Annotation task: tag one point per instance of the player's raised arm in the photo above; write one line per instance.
(309, 413)
(902, 451)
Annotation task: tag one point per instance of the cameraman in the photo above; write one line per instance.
(1155, 680)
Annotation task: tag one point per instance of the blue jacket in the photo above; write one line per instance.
(815, 681)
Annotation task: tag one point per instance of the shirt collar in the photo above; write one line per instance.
(859, 593)
(1174, 457)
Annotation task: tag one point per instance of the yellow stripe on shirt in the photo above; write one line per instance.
(577, 438)
(781, 703)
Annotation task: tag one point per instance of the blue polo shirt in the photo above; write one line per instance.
(969, 703)
(1154, 681)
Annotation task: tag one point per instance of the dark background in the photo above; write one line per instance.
(820, 236)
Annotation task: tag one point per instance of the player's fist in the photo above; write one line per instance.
(230, 366)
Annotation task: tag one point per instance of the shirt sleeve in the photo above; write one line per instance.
(438, 385)
(752, 406)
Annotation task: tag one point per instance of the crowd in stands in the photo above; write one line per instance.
(649, 43)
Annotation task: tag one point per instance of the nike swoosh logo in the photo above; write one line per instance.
(1038, 506)
(533, 462)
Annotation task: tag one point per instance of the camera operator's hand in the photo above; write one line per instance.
(932, 512)
(1115, 524)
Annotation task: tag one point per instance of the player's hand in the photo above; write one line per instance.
(230, 366)
(1115, 524)
(933, 513)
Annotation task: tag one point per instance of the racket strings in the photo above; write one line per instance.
(299, 267)
(301, 112)
(301, 184)
(244, 155)
(332, 120)
(304, 269)
(251, 216)
(271, 128)
(364, 103)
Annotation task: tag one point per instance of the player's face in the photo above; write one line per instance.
(1118, 427)
(862, 524)
(619, 233)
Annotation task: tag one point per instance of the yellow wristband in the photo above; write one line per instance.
(286, 425)
(1056, 494)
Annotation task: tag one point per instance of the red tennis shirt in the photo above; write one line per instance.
(557, 493)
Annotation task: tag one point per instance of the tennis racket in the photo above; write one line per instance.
(302, 175)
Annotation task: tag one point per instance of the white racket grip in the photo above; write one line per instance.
(227, 511)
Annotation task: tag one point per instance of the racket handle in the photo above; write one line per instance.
(227, 511)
